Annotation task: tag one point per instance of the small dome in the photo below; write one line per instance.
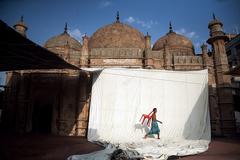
(172, 40)
(117, 35)
(63, 39)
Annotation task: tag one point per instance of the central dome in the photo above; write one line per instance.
(117, 35)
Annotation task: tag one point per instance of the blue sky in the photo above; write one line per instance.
(46, 18)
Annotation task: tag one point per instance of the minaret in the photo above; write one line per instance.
(147, 41)
(145, 61)
(21, 27)
(217, 41)
(84, 59)
(223, 82)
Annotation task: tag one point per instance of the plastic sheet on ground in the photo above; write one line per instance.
(121, 96)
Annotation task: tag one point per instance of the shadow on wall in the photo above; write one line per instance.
(143, 127)
(198, 123)
(25, 94)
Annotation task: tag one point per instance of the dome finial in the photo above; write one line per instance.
(117, 18)
(21, 19)
(65, 28)
(170, 27)
(214, 17)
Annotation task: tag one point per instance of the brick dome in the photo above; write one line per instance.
(62, 40)
(173, 40)
(117, 35)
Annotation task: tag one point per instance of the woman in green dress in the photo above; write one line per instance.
(154, 126)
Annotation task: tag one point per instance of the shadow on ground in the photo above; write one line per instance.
(43, 147)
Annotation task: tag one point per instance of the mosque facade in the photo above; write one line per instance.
(58, 101)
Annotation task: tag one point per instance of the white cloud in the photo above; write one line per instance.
(104, 4)
(184, 32)
(76, 33)
(130, 19)
(181, 31)
(191, 34)
(144, 24)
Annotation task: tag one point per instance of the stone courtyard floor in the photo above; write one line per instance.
(219, 149)
(40, 147)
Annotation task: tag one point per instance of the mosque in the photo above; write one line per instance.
(57, 101)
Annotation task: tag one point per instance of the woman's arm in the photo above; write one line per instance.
(159, 121)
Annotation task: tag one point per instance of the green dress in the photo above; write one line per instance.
(154, 128)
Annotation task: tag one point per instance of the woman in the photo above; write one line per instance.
(154, 126)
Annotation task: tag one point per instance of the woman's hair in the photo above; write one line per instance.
(154, 109)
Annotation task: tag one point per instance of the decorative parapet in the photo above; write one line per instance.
(116, 53)
(187, 62)
(107, 62)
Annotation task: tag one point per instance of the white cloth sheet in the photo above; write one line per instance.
(120, 96)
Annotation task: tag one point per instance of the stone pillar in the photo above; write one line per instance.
(148, 61)
(213, 99)
(23, 96)
(61, 122)
(223, 81)
(83, 104)
(84, 57)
